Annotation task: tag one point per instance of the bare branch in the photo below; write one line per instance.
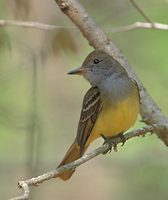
(141, 11)
(150, 111)
(49, 27)
(104, 148)
(26, 191)
(32, 24)
(139, 25)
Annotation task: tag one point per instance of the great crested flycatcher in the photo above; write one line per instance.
(110, 107)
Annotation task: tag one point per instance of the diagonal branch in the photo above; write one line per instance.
(104, 148)
(141, 11)
(150, 111)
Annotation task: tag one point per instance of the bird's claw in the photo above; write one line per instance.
(108, 140)
(122, 137)
(111, 143)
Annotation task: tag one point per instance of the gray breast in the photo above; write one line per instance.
(116, 87)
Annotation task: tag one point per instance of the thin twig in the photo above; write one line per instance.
(104, 148)
(33, 24)
(139, 25)
(49, 27)
(141, 11)
(26, 191)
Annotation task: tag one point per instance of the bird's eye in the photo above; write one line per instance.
(96, 61)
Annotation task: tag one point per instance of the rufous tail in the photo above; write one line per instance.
(72, 154)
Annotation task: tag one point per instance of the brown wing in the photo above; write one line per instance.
(90, 110)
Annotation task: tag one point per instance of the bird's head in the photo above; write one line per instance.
(98, 66)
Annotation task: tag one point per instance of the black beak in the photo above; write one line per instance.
(78, 71)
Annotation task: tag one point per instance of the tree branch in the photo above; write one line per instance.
(139, 25)
(150, 111)
(49, 27)
(33, 24)
(102, 149)
(141, 11)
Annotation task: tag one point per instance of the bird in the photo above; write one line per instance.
(110, 107)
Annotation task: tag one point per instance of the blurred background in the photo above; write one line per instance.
(40, 105)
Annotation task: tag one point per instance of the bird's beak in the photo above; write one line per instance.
(78, 71)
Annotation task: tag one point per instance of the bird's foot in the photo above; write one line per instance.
(112, 143)
(122, 138)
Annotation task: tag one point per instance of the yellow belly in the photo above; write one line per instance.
(113, 120)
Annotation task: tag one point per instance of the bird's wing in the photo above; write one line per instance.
(89, 113)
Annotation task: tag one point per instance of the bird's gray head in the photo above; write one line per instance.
(98, 66)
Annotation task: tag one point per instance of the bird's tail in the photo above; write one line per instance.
(72, 154)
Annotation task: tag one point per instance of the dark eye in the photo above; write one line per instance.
(96, 61)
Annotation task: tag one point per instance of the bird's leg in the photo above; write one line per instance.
(122, 137)
(111, 142)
